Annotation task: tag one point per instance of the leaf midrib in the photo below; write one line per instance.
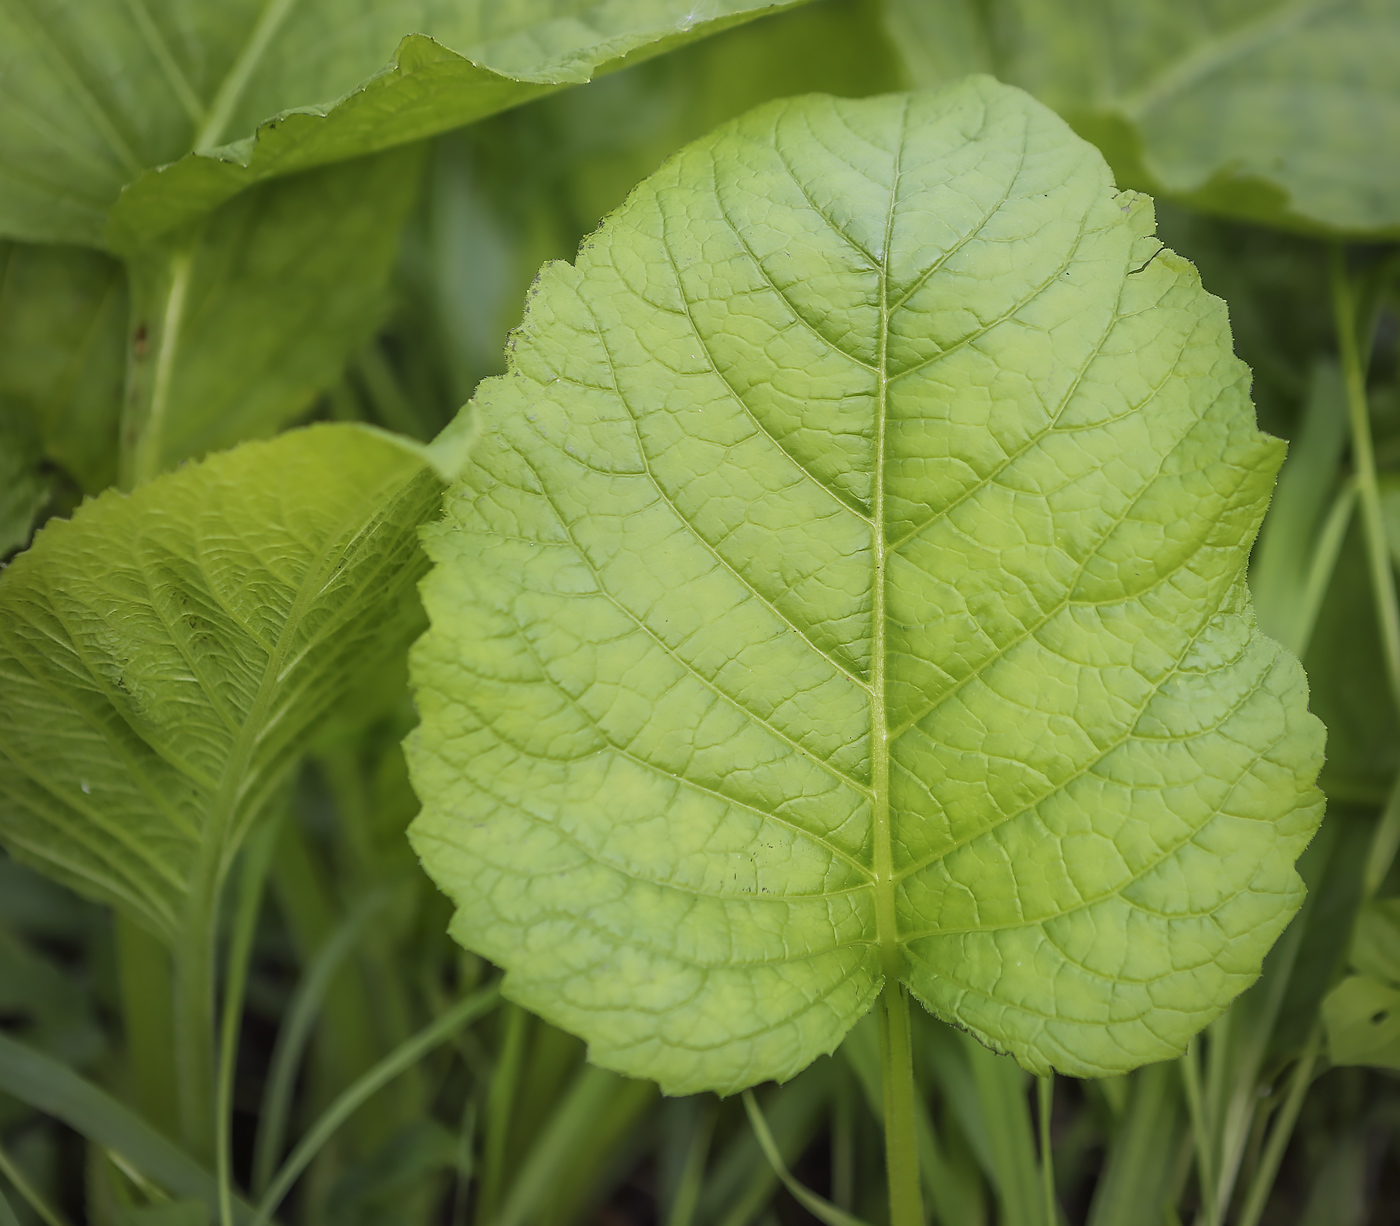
(236, 776)
(883, 887)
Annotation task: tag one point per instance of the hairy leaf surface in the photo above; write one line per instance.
(100, 97)
(848, 581)
(163, 653)
(1272, 110)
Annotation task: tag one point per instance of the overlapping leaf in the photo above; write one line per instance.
(184, 105)
(849, 581)
(238, 324)
(1272, 110)
(163, 653)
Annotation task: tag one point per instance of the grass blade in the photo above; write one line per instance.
(818, 1206)
(36, 1202)
(56, 1090)
(397, 1061)
(295, 1033)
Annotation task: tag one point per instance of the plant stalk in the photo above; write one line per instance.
(405, 1056)
(1364, 462)
(146, 985)
(148, 400)
(1282, 1132)
(194, 1011)
(901, 1131)
(1045, 1102)
(257, 857)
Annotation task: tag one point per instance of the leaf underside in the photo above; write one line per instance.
(849, 579)
(163, 653)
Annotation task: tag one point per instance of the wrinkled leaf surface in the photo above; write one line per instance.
(163, 653)
(848, 581)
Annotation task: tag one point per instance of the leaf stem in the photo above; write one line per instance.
(257, 858)
(1045, 1101)
(147, 994)
(195, 963)
(295, 1032)
(1205, 1169)
(1364, 463)
(143, 450)
(901, 1129)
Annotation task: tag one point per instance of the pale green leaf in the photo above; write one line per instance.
(848, 579)
(1271, 110)
(63, 317)
(102, 96)
(1362, 1015)
(163, 653)
(241, 321)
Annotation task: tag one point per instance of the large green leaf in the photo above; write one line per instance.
(1273, 110)
(101, 97)
(525, 186)
(849, 580)
(163, 653)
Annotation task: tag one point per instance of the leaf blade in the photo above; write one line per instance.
(871, 460)
(98, 100)
(163, 652)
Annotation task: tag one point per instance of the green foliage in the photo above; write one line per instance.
(1269, 110)
(163, 652)
(240, 323)
(145, 116)
(649, 685)
(799, 621)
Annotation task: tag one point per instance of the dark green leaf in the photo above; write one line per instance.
(1272, 110)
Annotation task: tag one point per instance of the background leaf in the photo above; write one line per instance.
(696, 777)
(99, 95)
(62, 350)
(278, 287)
(1271, 110)
(162, 654)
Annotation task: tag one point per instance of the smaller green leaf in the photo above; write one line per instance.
(163, 653)
(1362, 1016)
(1362, 1013)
